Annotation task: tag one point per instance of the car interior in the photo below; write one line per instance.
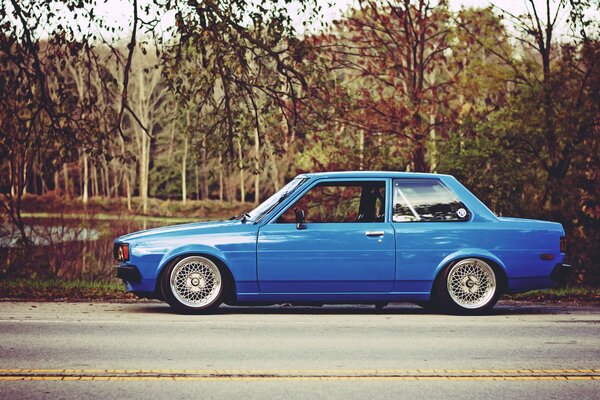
(340, 202)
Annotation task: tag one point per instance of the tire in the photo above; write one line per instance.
(194, 284)
(467, 287)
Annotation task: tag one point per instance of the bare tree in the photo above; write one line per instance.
(146, 97)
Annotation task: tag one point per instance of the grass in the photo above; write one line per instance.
(559, 295)
(55, 289)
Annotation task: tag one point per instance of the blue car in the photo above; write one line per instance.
(348, 237)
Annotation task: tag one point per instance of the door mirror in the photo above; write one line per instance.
(299, 219)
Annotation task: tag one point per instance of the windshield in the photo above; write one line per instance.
(262, 210)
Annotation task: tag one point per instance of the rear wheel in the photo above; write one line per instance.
(194, 284)
(467, 286)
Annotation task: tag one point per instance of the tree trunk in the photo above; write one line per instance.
(361, 150)
(197, 175)
(66, 178)
(172, 139)
(143, 173)
(273, 163)
(37, 184)
(56, 183)
(128, 189)
(433, 156)
(144, 110)
(13, 190)
(102, 187)
(84, 195)
(257, 167)
(44, 186)
(95, 190)
(114, 178)
(24, 179)
(241, 166)
(183, 170)
(220, 178)
(107, 176)
(205, 194)
(275, 170)
(432, 136)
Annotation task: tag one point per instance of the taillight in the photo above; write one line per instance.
(121, 252)
(563, 244)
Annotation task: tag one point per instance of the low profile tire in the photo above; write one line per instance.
(194, 284)
(468, 286)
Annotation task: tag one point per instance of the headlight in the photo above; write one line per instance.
(121, 252)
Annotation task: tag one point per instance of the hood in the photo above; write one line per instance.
(177, 229)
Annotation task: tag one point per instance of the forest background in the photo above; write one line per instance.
(105, 129)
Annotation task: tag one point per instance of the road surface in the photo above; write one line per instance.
(142, 350)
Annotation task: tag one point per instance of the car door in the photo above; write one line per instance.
(346, 244)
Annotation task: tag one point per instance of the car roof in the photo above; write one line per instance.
(370, 174)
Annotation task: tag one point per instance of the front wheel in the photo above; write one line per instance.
(467, 286)
(193, 284)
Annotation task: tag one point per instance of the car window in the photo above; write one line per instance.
(426, 200)
(268, 205)
(340, 202)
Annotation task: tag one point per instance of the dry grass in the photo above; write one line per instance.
(35, 289)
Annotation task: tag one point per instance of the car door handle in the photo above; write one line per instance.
(374, 233)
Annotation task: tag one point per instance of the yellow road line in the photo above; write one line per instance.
(48, 374)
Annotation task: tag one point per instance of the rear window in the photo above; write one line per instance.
(426, 200)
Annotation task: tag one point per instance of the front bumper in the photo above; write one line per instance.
(128, 272)
(561, 272)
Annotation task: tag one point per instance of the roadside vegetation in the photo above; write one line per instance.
(40, 290)
(561, 295)
(150, 125)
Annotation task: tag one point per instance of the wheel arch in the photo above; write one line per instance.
(213, 254)
(491, 259)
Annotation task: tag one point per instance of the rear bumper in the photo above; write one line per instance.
(561, 272)
(128, 272)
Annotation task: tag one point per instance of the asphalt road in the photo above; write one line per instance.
(142, 350)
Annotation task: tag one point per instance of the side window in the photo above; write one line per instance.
(426, 200)
(340, 202)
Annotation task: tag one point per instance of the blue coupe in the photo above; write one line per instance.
(348, 237)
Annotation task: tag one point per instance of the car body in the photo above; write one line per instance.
(348, 237)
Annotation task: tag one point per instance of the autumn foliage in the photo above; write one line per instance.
(233, 100)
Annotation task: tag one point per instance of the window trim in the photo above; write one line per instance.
(412, 209)
(298, 196)
(298, 188)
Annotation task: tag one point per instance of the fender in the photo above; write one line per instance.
(190, 249)
(469, 253)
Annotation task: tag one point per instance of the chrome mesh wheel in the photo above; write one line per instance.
(196, 281)
(471, 283)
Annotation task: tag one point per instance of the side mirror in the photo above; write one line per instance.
(299, 219)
